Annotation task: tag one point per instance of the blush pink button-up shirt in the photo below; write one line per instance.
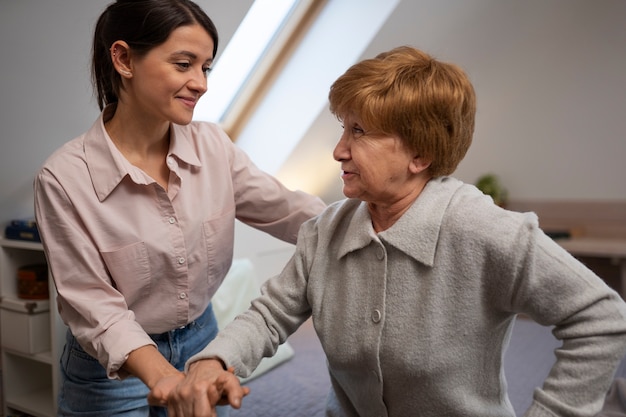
(130, 258)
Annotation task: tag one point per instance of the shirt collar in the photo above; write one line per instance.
(108, 167)
(181, 145)
(416, 233)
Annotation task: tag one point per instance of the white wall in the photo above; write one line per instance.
(550, 77)
(551, 84)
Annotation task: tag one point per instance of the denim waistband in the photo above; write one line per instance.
(203, 319)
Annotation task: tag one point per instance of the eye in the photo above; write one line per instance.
(206, 70)
(357, 131)
(183, 65)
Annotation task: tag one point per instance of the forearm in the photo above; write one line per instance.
(224, 351)
(147, 364)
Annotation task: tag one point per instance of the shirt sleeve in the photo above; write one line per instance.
(265, 203)
(89, 304)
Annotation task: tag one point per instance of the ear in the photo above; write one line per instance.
(419, 164)
(120, 56)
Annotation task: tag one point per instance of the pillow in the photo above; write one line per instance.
(239, 288)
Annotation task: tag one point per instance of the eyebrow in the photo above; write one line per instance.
(192, 55)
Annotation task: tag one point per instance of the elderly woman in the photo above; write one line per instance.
(414, 281)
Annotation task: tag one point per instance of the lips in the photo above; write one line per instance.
(188, 101)
(347, 174)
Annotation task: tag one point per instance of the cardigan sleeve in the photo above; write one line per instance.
(588, 317)
(270, 320)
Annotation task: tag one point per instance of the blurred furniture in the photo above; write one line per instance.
(613, 249)
(32, 336)
(592, 231)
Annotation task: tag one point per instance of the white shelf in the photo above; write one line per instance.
(43, 357)
(30, 378)
(24, 305)
(20, 244)
(37, 403)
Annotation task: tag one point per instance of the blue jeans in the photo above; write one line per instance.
(86, 390)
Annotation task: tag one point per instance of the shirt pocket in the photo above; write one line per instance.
(130, 271)
(219, 237)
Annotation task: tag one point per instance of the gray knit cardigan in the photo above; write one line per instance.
(415, 320)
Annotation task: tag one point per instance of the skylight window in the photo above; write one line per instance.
(241, 56)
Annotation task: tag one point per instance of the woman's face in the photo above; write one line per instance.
(168, 81)
(376, 169)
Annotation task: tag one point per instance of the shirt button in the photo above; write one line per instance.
(170, 161)
(171, 220)
(182, 296)
(181, 260)
(376, 316)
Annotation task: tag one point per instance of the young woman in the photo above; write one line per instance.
(137, 214)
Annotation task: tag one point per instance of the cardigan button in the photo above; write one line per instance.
(380, 254)
(376, 316)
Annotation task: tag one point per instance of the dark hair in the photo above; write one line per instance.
(429, 104)
(142, 24)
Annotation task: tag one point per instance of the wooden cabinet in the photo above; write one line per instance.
(32, 337)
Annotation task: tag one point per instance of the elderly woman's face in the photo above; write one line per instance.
(375, 168)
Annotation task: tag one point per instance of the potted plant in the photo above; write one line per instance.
(490, 185)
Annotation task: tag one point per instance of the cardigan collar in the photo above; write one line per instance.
(416, 233)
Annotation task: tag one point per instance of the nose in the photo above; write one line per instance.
(342, 150)
(198, 82)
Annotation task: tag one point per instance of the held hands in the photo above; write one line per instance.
(206, 385)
